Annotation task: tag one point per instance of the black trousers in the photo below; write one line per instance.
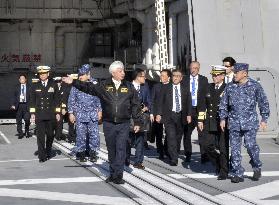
(72, 131)
(214, 141)
(188, 129)
(157, 133)
(22, 113)
(59, 128)
(116, 136)
(174, 132)
(45, 136)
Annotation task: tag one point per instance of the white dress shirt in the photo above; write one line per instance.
(116, 83)
(229, 78)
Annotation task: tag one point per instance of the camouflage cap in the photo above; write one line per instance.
(241, 66)
(85, 69)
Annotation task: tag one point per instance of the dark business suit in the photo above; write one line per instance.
(21, 107)
(138, 139)
(174, 121)
(157, 128)
(188, 129)
(59, 124)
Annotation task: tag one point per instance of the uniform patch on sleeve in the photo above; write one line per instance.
(38, 90)
(109, 89)
(124, 90)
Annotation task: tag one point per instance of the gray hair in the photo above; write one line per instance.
(115, 65)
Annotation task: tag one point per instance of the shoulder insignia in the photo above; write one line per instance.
(124, 90)
(38, 90)
(109, 89)
(35, 80)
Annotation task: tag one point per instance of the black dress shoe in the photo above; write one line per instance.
(127, 162)
(139, 166)
(237, 179)
(28, 134)
(187, 159)
(20, 136)
(222, 177)
(119, 180)
(82, 157)
(161, 157)
(173, 163)
(109, 179)
(93, 156)
(257, 175)
(42, 160)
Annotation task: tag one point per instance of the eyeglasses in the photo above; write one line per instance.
(227, 66)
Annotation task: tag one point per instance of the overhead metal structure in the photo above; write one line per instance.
(162, 33)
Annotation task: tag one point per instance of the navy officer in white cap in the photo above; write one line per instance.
(44, 109)
(215, 141)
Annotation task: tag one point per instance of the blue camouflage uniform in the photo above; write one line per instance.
(85, 108)
(238, 106)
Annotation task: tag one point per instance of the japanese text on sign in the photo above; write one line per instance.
(20, 58)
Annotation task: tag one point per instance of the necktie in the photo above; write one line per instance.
(44, 84)
(216, 87)
(177, 105)
(22, 93)
(193, 92)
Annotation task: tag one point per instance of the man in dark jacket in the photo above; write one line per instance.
(44, 109)
(119, 100)
(157, 128)
(20, 104)
(137, 139)
(174, 108)
(216, 142)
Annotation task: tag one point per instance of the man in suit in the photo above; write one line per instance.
(20, 104)
(44, 109)
(59, 124)
(197, 85)
(137, 139)
(157, 128)
(66, 89)
(216, 142)
(229, 63)
(64, 92)
(174, 108)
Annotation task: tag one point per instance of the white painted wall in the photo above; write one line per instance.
(244, 29)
